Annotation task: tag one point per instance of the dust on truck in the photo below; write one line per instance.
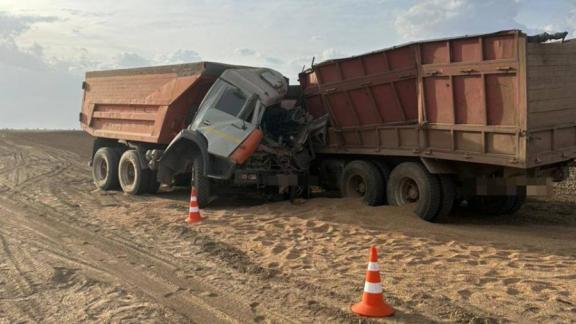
(208, 122)
(479, 121)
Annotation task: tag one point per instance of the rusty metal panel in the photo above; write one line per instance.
(438, 99)
(490, 98)
(501, 99)
(466, 50)
(435, 53)
(469, 99)
(460, 98)
(145, 104)
(387, 103)
(408, 96)
(500, 47)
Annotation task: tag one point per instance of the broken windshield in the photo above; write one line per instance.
(231, 101)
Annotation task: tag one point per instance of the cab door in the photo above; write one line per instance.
(223, 118)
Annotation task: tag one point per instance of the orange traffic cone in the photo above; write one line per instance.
(194, 211)
(373, 303)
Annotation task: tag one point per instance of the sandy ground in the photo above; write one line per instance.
(69, 253)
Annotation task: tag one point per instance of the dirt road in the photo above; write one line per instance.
(69, 253)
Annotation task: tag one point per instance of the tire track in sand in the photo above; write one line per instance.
(149, 274)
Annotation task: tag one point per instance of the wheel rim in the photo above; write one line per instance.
(101, 169)
(356, 186)
(409, 192)
(127, 173)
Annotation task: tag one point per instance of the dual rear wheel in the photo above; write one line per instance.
(408, 183)
(134, 177)
(114, 168)
(432, 196)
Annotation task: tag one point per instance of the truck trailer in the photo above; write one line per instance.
(478, 121)
(214, 123)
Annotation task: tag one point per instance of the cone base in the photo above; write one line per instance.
(193, 219)
(380, 310)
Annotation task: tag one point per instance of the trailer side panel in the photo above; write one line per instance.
(459, 99)
(551, 102)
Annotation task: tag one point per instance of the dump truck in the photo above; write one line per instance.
(477, 121)
(219, 125)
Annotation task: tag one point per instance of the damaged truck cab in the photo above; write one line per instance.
(226, 132)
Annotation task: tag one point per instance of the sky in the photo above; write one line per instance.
(47, 46)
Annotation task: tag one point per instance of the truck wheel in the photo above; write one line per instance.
(133, 179)
(362, 179)
(201, 182)
(448, 196)
(385, 174)
(105, 168)
(411, 183)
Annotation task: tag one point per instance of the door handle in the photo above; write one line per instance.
(206, 122)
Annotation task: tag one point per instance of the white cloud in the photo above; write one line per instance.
(179, 56)
(36, 90)
(129, 59)
(246, 52)
(441, 18)
(11, 26)
(11, 54)
(23, 58)
(329, 54)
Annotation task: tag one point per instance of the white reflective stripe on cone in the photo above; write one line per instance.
(194, 210)
(372, 288)
(193, 199)
(373, 266)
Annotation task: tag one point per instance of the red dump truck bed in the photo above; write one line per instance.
(493, 98)
(145, 104)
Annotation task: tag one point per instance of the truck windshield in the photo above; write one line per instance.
(231, 101)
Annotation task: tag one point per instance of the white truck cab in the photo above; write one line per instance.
(233, 139)
(233, 107)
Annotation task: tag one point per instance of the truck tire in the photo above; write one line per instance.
(410, 183)
(362, 179)
(105, 168)
(448, 196)
(201, 182)
(133, 179)
(384, 170)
